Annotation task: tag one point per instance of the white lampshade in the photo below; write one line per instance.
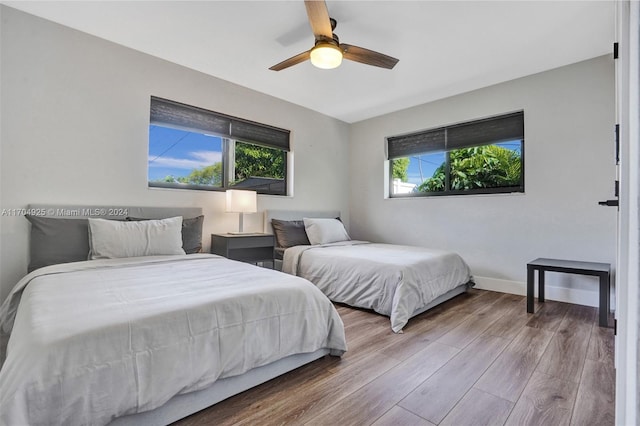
(242, 201)
(326, 56)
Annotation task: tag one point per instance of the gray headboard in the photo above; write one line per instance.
(68, 241)
(294, 215)
(113, 212)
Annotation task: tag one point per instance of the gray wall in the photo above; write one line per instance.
(74, 130)
(569, 166)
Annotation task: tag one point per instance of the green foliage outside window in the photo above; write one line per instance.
(400, 167)
(488, 166)
(207, 175)
(251, 161)
(258, 161)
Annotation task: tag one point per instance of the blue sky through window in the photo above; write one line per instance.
(177, 152)
(421, 167)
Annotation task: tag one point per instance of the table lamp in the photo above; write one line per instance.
(241, 201)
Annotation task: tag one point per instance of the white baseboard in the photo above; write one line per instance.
(561, 294)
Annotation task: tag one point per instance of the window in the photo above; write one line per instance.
(193, 148)
(477, 157)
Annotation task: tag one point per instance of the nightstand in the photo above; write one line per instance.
(252, 248)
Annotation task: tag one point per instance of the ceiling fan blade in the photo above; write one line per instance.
(319, 18)
(301, 57)
(366, 56)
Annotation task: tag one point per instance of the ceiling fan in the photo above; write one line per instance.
(328, 52)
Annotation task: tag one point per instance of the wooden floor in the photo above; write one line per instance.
(478, 359)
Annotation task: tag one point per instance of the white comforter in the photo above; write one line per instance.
(392, 280)
(98, 339)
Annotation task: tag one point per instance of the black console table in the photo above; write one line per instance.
(601, 270)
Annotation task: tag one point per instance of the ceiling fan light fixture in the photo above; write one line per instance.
(328, 52)
(326, 56)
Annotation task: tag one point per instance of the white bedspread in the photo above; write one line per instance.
(99, 339)
(392, 280)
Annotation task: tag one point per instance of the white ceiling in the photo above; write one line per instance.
(444, 47)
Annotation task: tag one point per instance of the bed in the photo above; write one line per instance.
(151, 339)
(394, 280)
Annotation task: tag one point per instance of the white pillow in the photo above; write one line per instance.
(323, 231)
(112, 239)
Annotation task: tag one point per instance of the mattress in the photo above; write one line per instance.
(393, 280)
(92, 341)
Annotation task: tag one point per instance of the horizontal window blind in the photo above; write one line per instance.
(171, 113)
(473, 133)
(416, 143)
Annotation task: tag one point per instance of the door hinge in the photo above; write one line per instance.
(616, 189)
(615, 327)
(615, 50)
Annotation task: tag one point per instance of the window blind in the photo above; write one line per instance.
(171, 113)
(464, 135)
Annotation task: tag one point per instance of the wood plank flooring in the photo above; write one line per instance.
(478, 359)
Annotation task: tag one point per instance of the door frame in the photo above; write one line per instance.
(627, 276)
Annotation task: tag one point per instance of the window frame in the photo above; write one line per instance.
(448, 191)
(176, 115)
